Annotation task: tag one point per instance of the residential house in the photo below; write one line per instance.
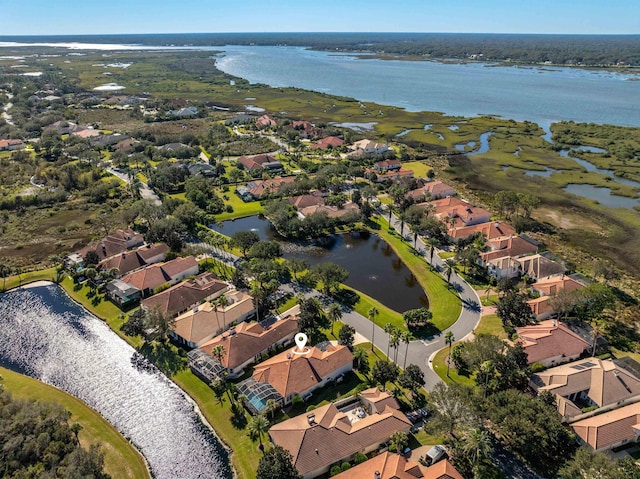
(257, 163)
(293, 374)
(328, 436)
(490, 230)
(369, 148)
(397, 466)
(247, 342)
(134, 259)
(86, 133)
(304, 201)
(203, 169)
(241, 118)
(551, 342)
(587, 383)
(123, 294)
(506, 246)
(104, 141)
(611, 429)
(391, 175)
(63, 127)
(155, 275)
(305, 129)
(185, 295)
(431, 190)
(265, 121)
(329, 142)
(171, 147)
(330, 211)
(184, 112)
(534, 266)
(387, 165)
(259, 188)
(376, 401)
(112, 244)
(204, 321)
(547, 288)
(11, 145)
(458, 212)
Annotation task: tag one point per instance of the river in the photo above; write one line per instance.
(46, 335)
(539, 94)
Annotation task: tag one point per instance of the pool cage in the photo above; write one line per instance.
(258, 394)
(204, 366)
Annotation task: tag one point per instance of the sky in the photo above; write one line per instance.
(67, 17)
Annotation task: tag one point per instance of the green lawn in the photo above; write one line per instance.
(121, 458)
(240, 208)
(386, 315)
(42, 275)
(419, 168)
(491, 324)
(444, 302)
(440, 367)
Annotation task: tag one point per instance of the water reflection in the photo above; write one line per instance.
(49, 337)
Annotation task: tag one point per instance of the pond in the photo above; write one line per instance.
(602, 195)
(46, 335)
(373, 267)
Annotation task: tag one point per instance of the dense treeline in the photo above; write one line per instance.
(38, 441)
(524, 48)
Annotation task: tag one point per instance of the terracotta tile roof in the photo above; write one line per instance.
(604, 430)
(4, 144)
(114, 243)
(490, 230)
(554, 284)
(86, 133)
(462, 211)
(330, 141)
(265, 120)
(304, 201)
(507, 246)
(259, 187)
(390, 466)
(379, 399)
(134, 259)
(442, 470)
(330, 437)
(331, 211)
(391, 174)
(251, 339)
(184, 295)
(603, 381)
(369, 145)
(538, 266)
(388, 164)
(541, 305)
(158, 274)
(432, 189)
(257, 161)
(201, 323)
(291, 373)
(549, 339)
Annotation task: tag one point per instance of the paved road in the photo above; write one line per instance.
(145, 192)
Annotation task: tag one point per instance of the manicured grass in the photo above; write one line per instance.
(386, 315)
(179, 196)
(240, 208)
(491, 324)
(121, 458)
(446, 254)
(15, 281)
(444, 302)
(491, 301)
(419, 168)
(440, 367)
(425, 438)
(385, 199)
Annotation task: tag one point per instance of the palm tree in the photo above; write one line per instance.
(5, 270)
(395, 342)
(449, 268)
(218, 352)
(402, 217)
(406, 337)
(388, 328)
(597, 328)
(334, 313)
(258, 425)
(477, 447)
(373, 312)
(449, 339)
(222, 302)
(432, 243)
(272, 407)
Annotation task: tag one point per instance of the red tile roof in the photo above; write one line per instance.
(490, 230)
(257, 161)
(608, 429)
(158, 274)
(329, 142)
(507, 246)
(432, 189)
(549, 339)
(134, 259)
(114, 243)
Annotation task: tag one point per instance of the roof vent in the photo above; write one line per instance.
(376, 475)
(288, 355)
(554, 323)
(311, 419)
(317, 452)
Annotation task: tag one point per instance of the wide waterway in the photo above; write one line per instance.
(46, 335)
(373, 266)
(540, 94)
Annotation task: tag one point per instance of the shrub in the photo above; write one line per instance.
(335, 470)
(297, 401)
(359, 458)
(345, 466)
(537, 367)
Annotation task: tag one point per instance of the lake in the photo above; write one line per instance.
(373, 266)
(46, 335)
(538, 94)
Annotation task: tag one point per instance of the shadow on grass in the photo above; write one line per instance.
(334, 390)
(346, 297)
(164, 356)
(426, 331)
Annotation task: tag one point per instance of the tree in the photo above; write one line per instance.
(383, 372)
(388, 328)
(432, 243)
(449, 268)
(361, 360)
(218, 352)
(91, 258)
(277, 463)
(258, 425)
(589, 464)
(394, 339)
(514, 311)
(412, 378)
(400, 440)
(346, 336)
(417, 317)
(160, 323)
(449, 339)
(189, 215)
(372, 313)
(297, 265)
(134, 325)
(311, 317)
(334, 313)
(5, 271)
(245, 240)
(266, 250)
(451, 406)
(406, 338)
(476, 446)
(331, 275)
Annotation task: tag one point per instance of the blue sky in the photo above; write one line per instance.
(40, 17)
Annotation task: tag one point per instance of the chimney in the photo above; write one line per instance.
(311, 419)
(377, 475)
(554, 323)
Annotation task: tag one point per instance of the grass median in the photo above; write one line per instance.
(120, 458)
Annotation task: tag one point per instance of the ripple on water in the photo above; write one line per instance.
(47, 336)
